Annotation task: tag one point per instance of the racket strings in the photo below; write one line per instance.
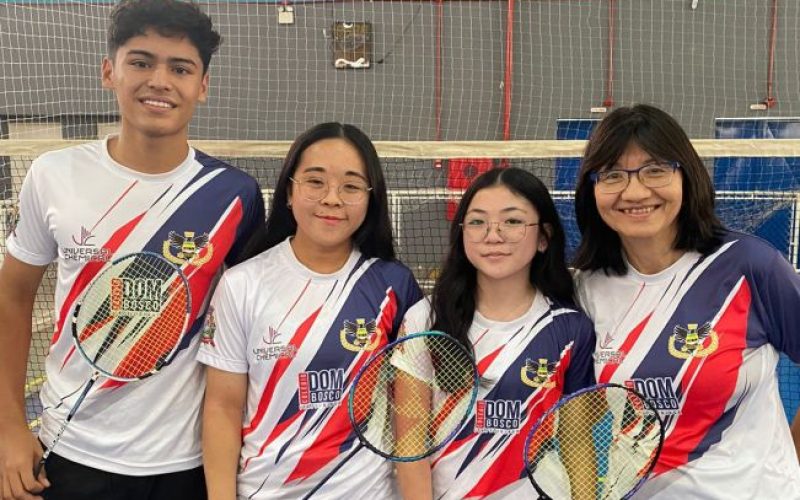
(600, 444)
(132, 316)
(414, 396)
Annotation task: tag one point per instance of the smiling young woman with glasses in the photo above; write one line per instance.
(506, 294)
(324, 294)
(688, 308)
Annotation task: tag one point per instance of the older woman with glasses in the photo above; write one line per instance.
(291, 326)
(690, 314)
(506, 294)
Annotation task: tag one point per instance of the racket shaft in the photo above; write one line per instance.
(334, 471)
(71, 414)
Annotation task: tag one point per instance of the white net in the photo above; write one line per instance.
(481, 70)
(449, 70)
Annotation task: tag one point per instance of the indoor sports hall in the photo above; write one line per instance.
(448, 89)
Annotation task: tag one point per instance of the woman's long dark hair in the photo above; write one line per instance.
(373, 238)
(453, 300)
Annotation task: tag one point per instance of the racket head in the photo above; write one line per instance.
(404, 417)
(627, 436)
(132, 316)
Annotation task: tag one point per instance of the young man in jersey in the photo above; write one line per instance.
(145, 189)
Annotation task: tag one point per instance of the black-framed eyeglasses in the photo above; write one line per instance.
(512, 231)
(317, 188)
(652, 175)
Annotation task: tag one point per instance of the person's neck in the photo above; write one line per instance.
(148, 155)
(651, 257)
(504, 300)
(320, 260)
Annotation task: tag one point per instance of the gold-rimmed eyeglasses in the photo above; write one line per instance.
(512, 230)
(317, 188)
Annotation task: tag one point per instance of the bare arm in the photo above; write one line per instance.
(19, 449)
(578, 448)
(414, 480)
(796, 433)
(412, 417)
(225, 398)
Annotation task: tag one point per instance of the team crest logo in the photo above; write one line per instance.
(361, 335)
(209, 329)
(689, 342)
(187, 248)
(538, 374)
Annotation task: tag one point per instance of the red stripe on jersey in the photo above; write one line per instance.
(453, 447)
(449, 406)
(546, 426)
(702, 407)
(221, 242)
(610, 368)
(507, 468)
(116, 202)
(68, 356)
(276, 432)
(327, 446)
(483, 365)
(86, 333)
(89, 271)
(480, 337)
(281, 365)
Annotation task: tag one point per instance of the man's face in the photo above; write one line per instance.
(158, 81)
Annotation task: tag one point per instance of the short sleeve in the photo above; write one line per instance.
(407, 358)
(417, 318)
(580, 372)
(252, 227)
(581, 279)
(777, 288)
(409, 294)
(223, 343)
(31, 240)
(413, 358)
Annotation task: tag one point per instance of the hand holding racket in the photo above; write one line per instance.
(597, 443)
(411, 398)
(129, 322)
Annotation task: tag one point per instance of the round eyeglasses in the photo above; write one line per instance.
(652, 175)
(317, 188)
(512, 231)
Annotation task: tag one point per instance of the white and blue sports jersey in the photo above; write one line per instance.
(526, 365)
(700, 340)
(81, 208)
(301, 338)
